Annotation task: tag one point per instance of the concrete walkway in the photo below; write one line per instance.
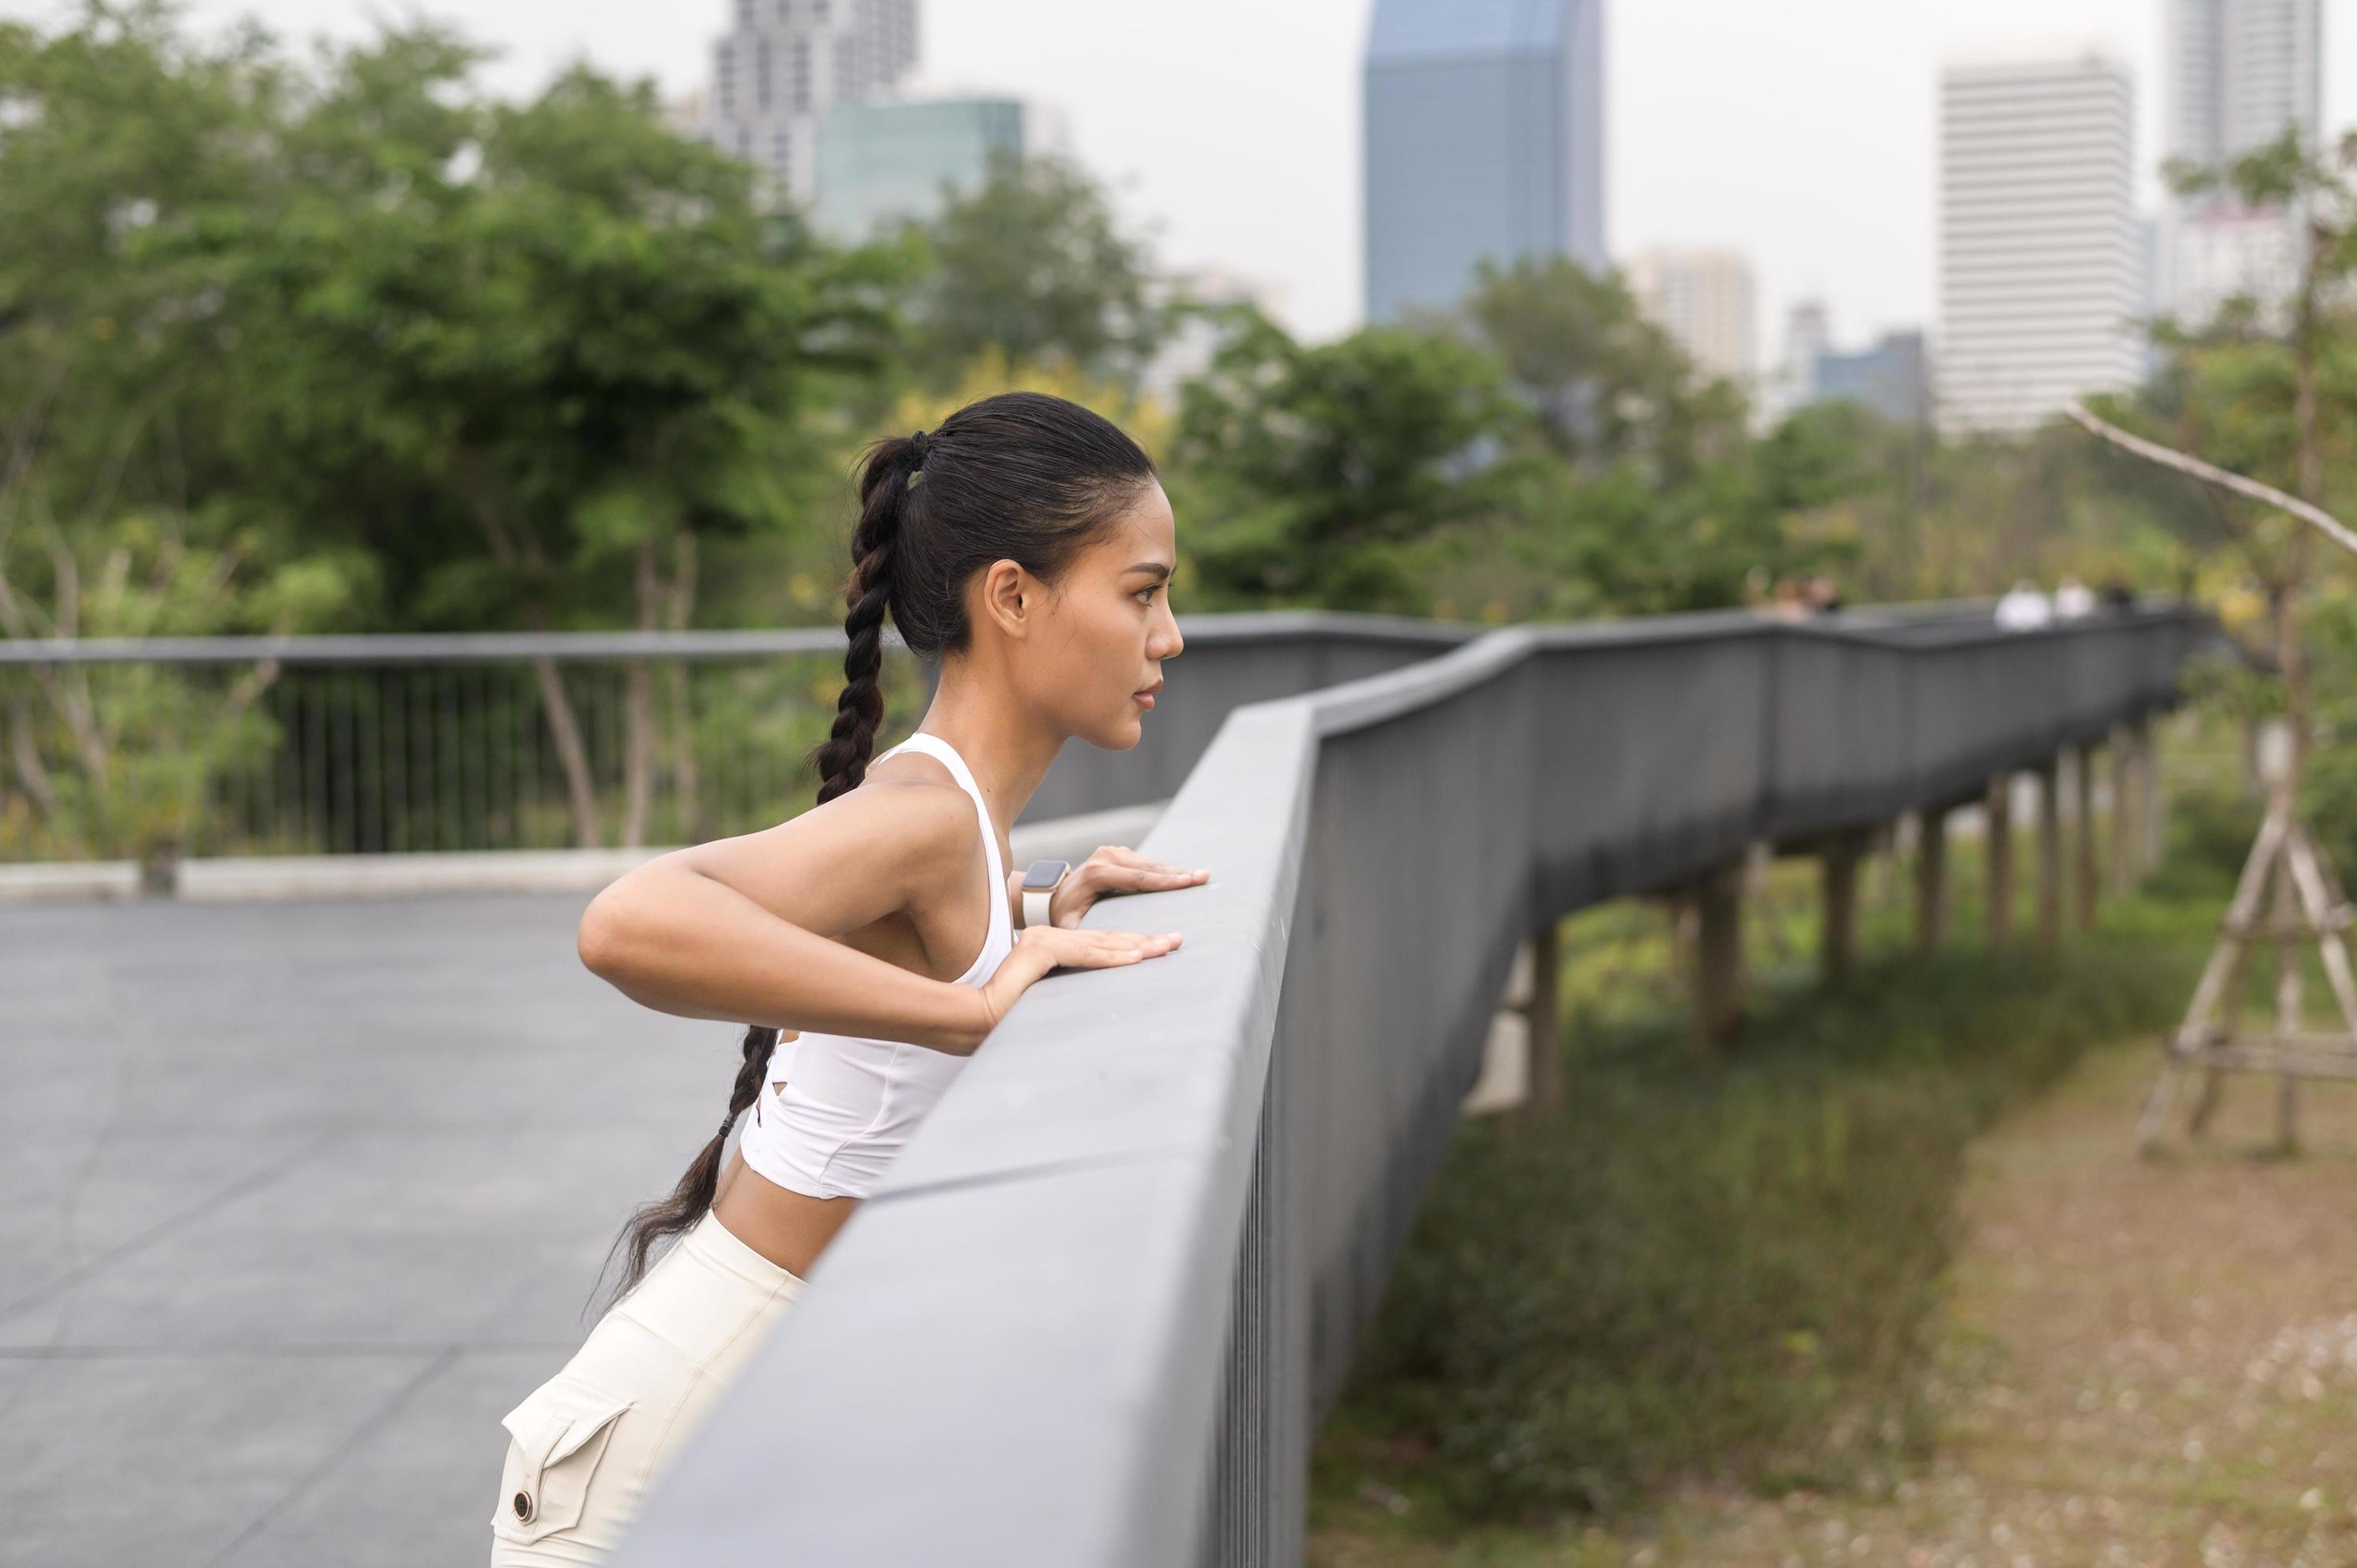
(296, 1201)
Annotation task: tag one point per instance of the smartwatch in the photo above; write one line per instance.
(1041, 881)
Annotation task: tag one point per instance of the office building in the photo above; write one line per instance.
(1892, 378)
(786, 62)
(1706, 300)
(2042, 253)
(1484, 139)
(880, 165)
(2240, 73)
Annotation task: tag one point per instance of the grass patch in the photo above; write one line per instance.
(1730, 1268)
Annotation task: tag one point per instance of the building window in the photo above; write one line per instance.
(780, 147)
(761, 73)
(727, 62)
(802, 74)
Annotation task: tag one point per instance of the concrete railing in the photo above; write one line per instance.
(1098, 1307)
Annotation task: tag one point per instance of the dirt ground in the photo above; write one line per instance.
(2156, 1363)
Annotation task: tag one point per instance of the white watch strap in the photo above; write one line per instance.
(1035, 905)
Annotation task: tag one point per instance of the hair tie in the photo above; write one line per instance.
(730, 1120)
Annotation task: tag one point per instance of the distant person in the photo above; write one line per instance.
(1791, 602)
(1026, 545)
(2073, 600)
(2118, 595)
(2024, 608)
(1823, 595)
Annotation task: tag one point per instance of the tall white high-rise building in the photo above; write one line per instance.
(2240, 73)
(786, 61)
(1704, 299)
(2041, 254)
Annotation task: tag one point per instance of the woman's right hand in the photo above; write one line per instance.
(1039, 949)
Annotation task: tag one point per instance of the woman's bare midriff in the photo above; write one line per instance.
(790, 1229)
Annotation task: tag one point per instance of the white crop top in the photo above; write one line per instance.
(850, 1103)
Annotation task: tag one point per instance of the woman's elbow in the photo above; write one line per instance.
(608, 932)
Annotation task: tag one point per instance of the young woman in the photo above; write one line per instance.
(1026, 545)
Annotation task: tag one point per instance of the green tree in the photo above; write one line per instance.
(1033, 265)
(1608, 385)
(560, 343)
(112, 516)
(1329, 471)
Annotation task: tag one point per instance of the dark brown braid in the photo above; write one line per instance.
(1021, 476)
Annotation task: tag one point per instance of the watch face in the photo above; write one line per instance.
(1044, 875)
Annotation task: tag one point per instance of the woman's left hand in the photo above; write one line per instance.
(1111, 869)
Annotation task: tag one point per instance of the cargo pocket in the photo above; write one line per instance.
(558, 1435)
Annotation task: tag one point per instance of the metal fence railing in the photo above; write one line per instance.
(209, 747)
(1094, 1315)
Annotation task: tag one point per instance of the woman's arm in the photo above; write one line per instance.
(743, 929)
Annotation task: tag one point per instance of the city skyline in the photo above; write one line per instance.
(1802, 137)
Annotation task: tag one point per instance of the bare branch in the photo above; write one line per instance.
(2267, 495)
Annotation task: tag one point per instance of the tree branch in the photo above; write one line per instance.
(2266, 495)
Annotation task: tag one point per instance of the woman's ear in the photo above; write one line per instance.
(1010, 597)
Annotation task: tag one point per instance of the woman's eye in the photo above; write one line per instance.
(1145, 596)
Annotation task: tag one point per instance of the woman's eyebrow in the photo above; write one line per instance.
(1157, 567)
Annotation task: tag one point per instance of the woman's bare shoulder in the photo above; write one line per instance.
(884, 846)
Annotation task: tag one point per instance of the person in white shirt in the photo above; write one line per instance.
(2024, 608)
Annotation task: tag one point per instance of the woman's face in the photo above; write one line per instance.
(1106, 628)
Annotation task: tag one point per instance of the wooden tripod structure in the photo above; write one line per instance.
(2306, 905)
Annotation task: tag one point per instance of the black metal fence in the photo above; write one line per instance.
(1098, 1309)
(206, 746)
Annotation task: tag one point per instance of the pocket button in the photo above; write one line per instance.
(523, 1507)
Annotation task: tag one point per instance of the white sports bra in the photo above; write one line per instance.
(851, 1102)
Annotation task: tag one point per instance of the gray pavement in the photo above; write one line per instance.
(296, 1200)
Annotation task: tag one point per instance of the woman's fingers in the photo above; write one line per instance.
(1117, 870)
(1103, 950)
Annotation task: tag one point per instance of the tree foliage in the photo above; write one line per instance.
(1326, 466)
(1034, 266)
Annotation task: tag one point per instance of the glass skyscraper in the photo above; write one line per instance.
(1484, 138)
(882, 164)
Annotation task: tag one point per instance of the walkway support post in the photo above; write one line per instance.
(1931, 877)
(1999, 848)
(1541, 1006)
(2126, 787)
(2087, 884)
(1837, 946)
(2152, 802)
(1718, 954)
(2049, 851)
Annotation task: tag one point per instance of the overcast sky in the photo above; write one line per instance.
(1798, 132)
